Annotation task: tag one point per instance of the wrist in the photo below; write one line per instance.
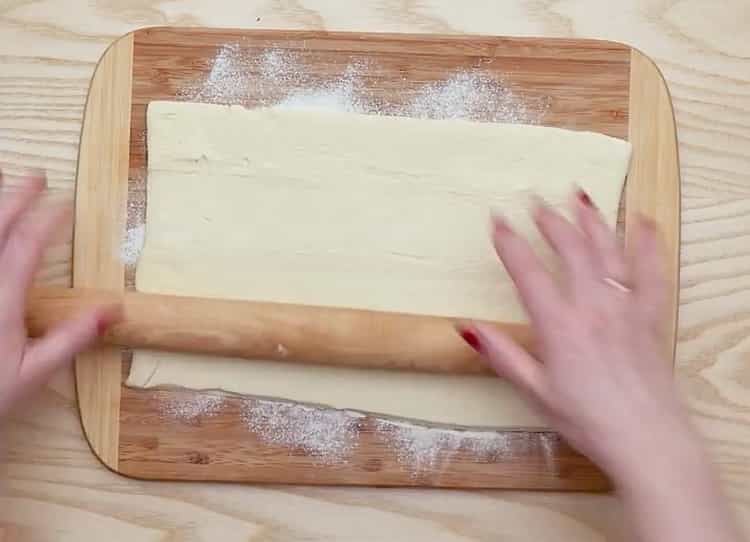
(663, 457)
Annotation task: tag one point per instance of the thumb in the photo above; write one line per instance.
(59, 345)
(508, 359)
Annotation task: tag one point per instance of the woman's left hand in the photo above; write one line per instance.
(26, 228)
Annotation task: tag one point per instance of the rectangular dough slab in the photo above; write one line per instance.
(351, 210)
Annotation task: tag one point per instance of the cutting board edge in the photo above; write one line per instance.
(385, 35)
(98, 372)
(655, 169)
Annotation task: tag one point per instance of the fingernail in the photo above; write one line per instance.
(584, 198)
(647, 222)
(471, 338)
(499, 225)
(102, 326)
(109, 317)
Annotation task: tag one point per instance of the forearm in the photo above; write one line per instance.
(675, 495)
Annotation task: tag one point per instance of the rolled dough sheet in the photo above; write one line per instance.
(351, 210)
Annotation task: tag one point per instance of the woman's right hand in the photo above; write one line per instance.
(600, 372)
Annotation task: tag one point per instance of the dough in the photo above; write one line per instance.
(351, 210)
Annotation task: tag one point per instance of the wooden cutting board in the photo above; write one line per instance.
(180, 434)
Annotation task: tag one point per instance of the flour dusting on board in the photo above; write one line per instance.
(190, 407)
(226, 81)
(132, 244)
(421, 448)
(326, 434)
(330, 436)
(279, 77)
(276, 64)
(344, 94)
(473, 96)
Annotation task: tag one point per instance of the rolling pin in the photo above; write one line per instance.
(272, 331)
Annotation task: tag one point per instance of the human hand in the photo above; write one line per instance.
(25, 230)
(599, 372)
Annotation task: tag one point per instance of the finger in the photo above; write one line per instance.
(538, 292)
(566, 240)
(60, 345)
(17, 201)
(646, 262)
(507, 359)
(25, 247)
(606, 249)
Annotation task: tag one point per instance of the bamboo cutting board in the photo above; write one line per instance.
(180, 434)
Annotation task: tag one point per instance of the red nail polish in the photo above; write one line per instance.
(584, 198)
(500, 226)
(647, 223)
(107, 319)
(102, 326)
(471, 339)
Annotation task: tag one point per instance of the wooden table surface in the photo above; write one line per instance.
(52, 487)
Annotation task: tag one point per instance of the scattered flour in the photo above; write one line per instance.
(328, 435)
(132, 244)
(473, 96)
(191, 406)
(278, 64)
(279, 77)
(135, 234)
(421, 448)
(343, 94)
(226, 82)
(331, 436)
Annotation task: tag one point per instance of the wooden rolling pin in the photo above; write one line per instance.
(272, 331)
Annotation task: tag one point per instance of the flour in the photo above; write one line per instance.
(475, 95)
(346, 93)
(132, 244)
(192, 406)
(280, 78)
(277, 64)
(227, 80)
(327, 435)
(331, 436)
(421, 448)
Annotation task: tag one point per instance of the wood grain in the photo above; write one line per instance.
(48, 54)
(653, 179)
(101, 187)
